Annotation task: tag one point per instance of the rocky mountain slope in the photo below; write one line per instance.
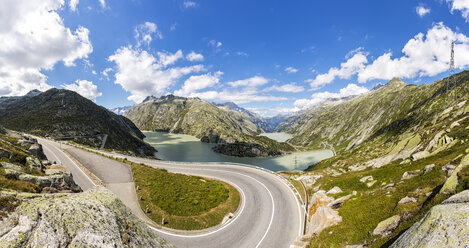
(203, 120)
(401, 150)
(41, 206)
(64, 114)
(258, 120)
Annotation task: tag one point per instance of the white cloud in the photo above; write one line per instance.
(242, 54)
(215, 43)
(355, 63)
(106, 71)
(251, 82)
(85, 88)
(189, 4)
(141, 74)
(424, 55)
(173, 26)
(199, 82)
(291, 88)
(193, 56)
(460, 5)
(290, 70)
(33, 38)
(244, 96)
(165, 58)
(103, 3)
(144, 33)
(73, 5)
(316, 98)
(422, 11)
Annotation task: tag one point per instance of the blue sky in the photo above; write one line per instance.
(268, 56)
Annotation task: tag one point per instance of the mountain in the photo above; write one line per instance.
(120, 110)
(201, 119)
(401, 151)
(258, 120)
(65, 114)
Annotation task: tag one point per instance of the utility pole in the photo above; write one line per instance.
(449, 100)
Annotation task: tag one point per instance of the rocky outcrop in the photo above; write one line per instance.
(95, 218)
(445, 225)
(452, 182)
(387, 226)
(243, 149)
(54, 181)
(321, 214)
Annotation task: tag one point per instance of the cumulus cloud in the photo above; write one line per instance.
(85, 88)
(460, 5)
(73, 5)
(199, 82)
(423, 55)
(143, 74)
(316, 98)
(355, 63)
(245, 95)
(106, 71)
(422, 11)
(145, 32)
(252, 82)
(290, 88)
(189, 4)
(33, 38)
(290, 70)
(215, 43)
(193, 56)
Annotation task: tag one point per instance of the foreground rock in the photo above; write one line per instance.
(387, 226)
(445, 225)
(95, 218)
(243, 149)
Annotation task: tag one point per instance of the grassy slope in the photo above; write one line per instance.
(185, 202)
(423, 116)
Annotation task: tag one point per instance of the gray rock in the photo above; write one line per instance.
(95, 218)
(428, 168)
(407, 199)
(445, 225)
(60, 180)
(420, 155)
(387, 226)
(337, 203)
(10, 166)
(448, 168)
(366, 179)
(410, 174)
(36, 150)
(390, 186)
(334, 190)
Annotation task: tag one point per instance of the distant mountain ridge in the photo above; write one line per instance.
(64, 114)
(257, 119)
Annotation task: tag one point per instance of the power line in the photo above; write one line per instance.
(450, 99)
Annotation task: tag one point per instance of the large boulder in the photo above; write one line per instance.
(445, 225)
(95, 218)
(453, 181)
(387, 226)
(321, 214)
(36, 150)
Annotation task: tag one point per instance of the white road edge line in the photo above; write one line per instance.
(79, 169)
(212, 232)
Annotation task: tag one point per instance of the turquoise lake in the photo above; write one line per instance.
(186, 148)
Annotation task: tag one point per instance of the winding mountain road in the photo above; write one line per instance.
(269, 213)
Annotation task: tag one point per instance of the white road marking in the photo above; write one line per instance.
(55, 155)
(212, 232)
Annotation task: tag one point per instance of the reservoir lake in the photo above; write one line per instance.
(186, 148)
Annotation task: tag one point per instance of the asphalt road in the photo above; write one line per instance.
(269, 214)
